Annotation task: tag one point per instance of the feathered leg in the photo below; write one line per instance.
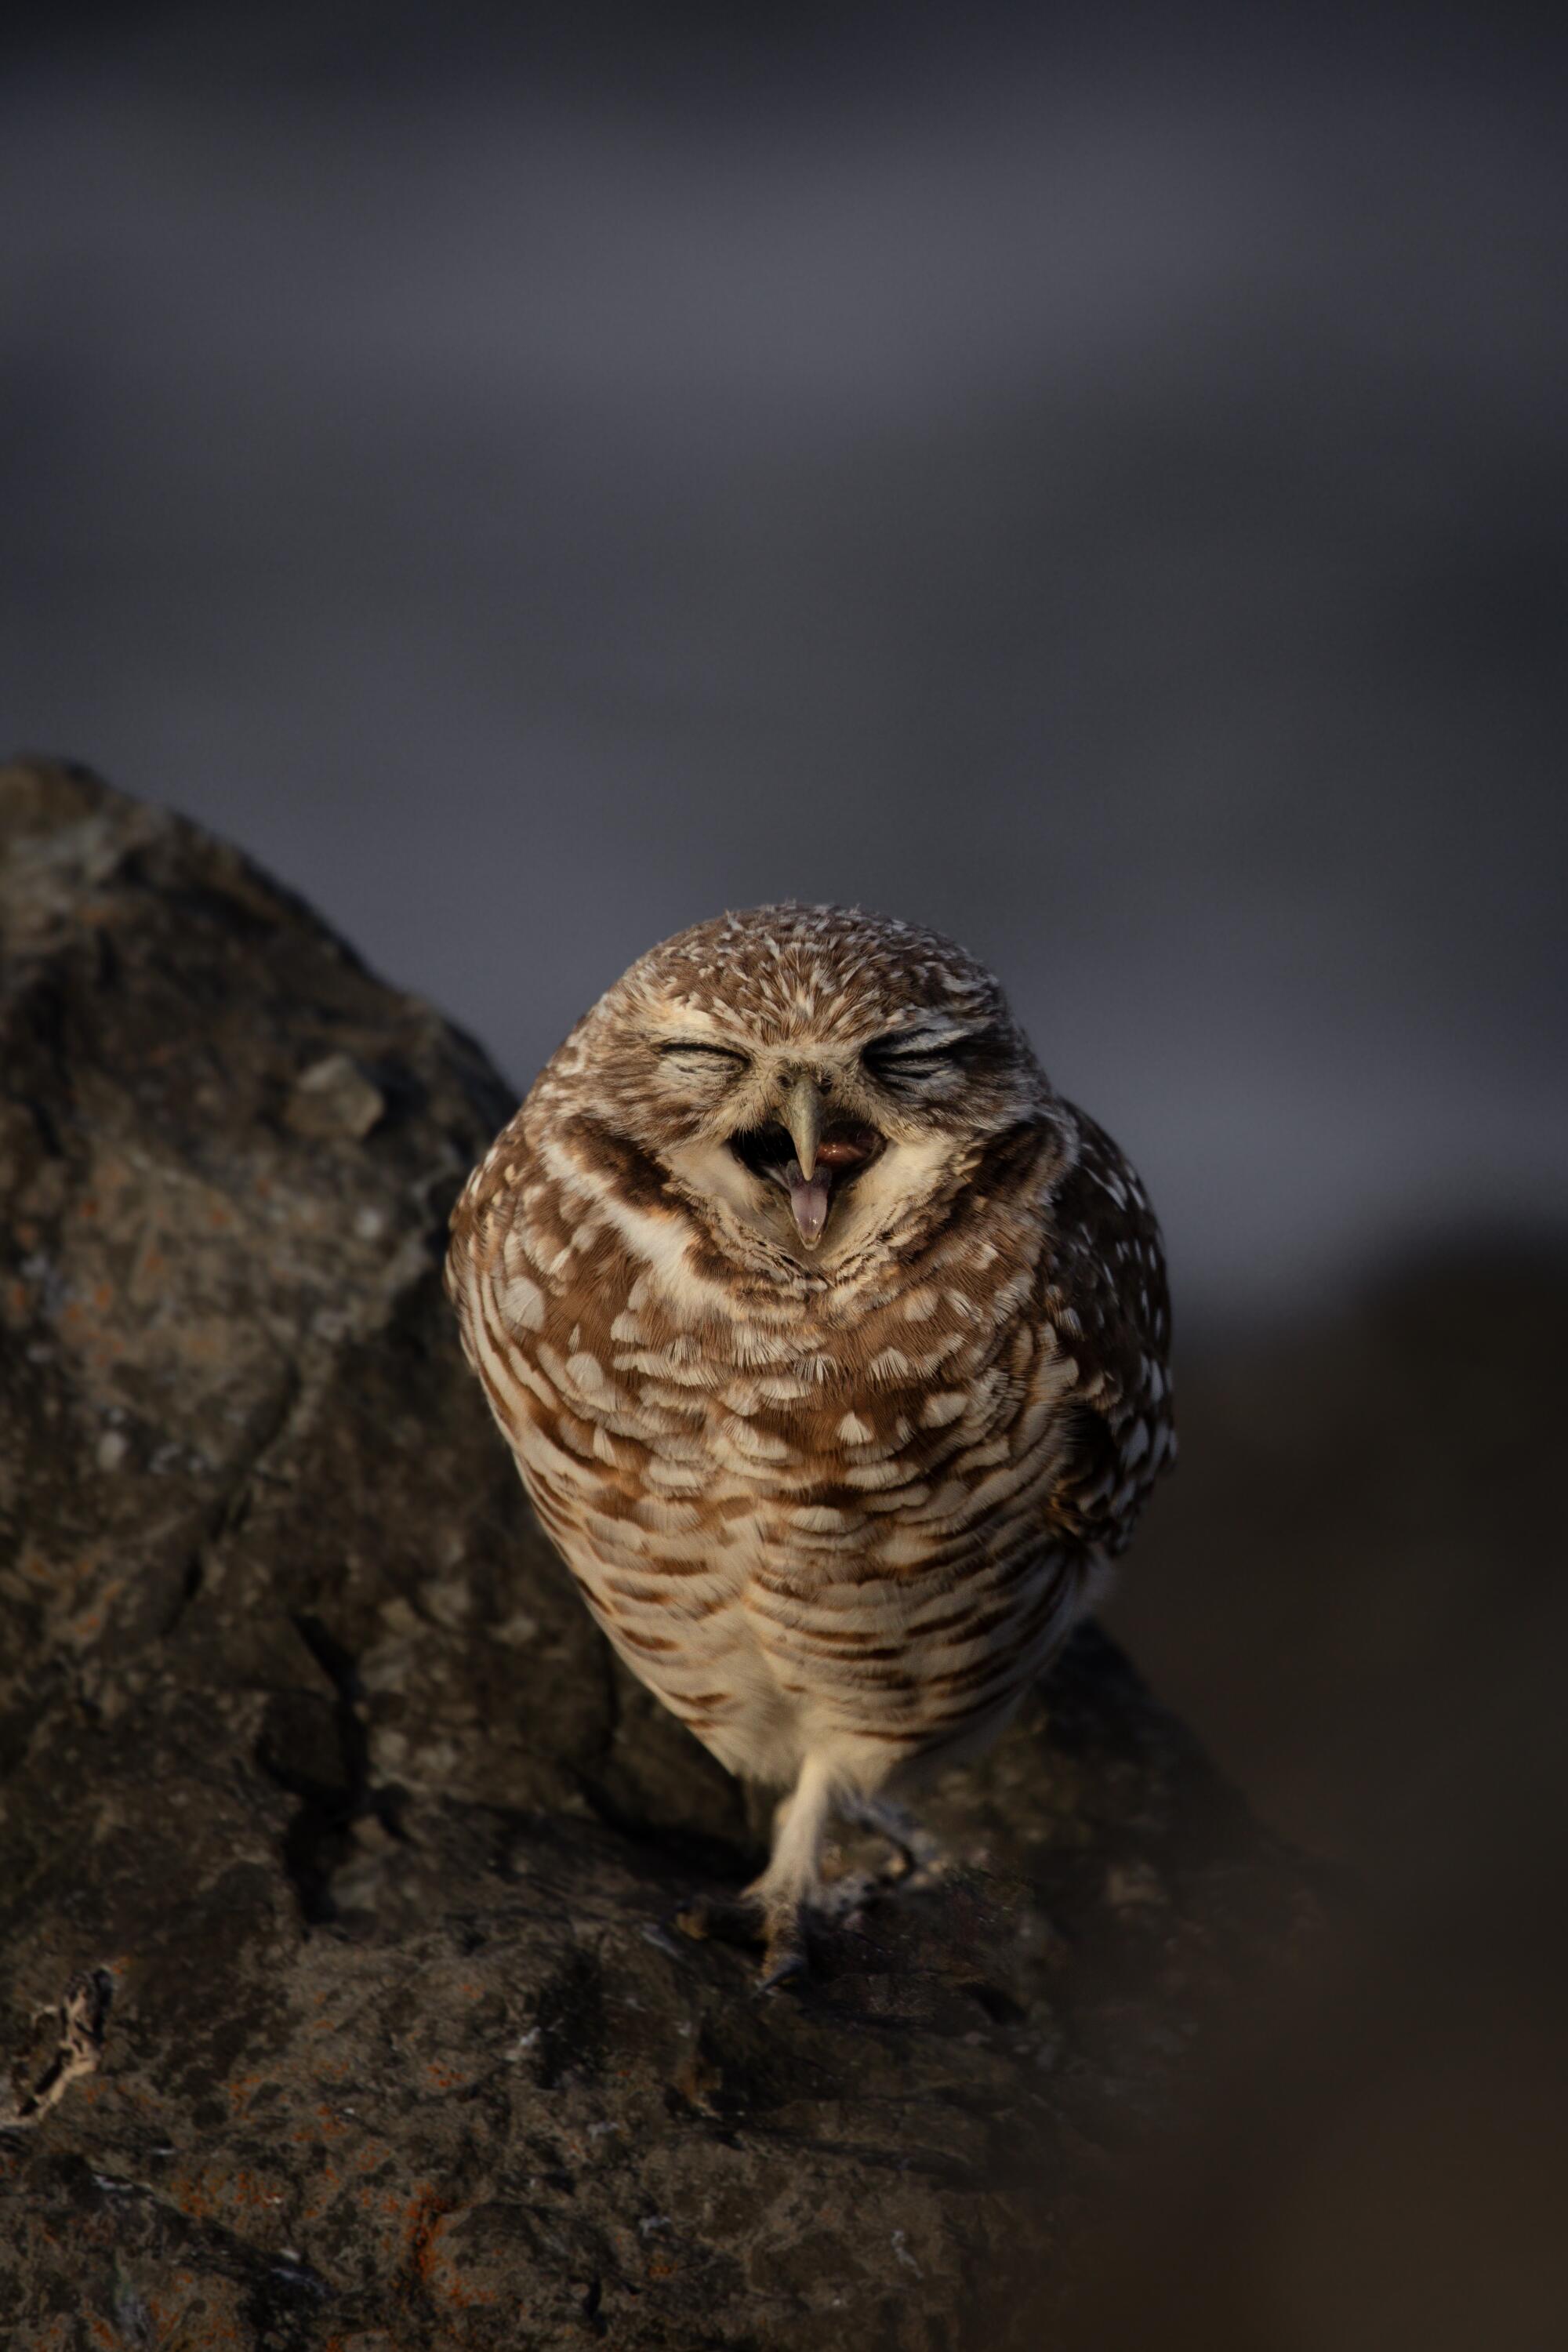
(771, 1911)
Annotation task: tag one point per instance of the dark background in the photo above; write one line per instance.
(1094, 481)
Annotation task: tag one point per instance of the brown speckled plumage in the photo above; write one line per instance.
(837, 1495)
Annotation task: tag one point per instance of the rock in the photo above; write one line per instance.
(334, 1096)
(330, 1814)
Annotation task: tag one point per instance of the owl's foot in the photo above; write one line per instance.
(784, 1956)
(750, 1920)
(727, 1919)
(917, 1855)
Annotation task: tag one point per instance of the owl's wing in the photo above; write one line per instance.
(483, 1220)
(1105, 1295)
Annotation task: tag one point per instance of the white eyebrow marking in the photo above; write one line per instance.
(911, 1041)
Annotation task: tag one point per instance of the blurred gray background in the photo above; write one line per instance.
(1092, 482)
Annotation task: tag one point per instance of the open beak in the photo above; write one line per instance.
(809, 1187)
(806, 1156)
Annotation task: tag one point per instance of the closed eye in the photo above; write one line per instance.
(689, 1048)
(917, 1056)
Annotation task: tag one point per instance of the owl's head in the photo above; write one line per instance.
(806, 1074)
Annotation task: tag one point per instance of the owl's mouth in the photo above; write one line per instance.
(845, 1149)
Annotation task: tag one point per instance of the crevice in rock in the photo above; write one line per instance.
(317, 1750)
(228, 1512)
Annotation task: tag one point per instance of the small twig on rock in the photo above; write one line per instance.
(82, 2016)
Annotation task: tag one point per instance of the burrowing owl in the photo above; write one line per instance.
(831, 1344)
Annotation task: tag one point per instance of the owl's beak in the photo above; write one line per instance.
(794, 1151)
(809, 1193)
(802, 1114)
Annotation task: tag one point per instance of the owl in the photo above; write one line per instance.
(831, 1343)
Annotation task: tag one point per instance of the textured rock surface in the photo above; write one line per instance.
(309, 1750)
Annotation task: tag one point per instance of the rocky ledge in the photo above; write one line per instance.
(338, 2004)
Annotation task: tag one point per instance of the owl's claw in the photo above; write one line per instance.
(727, 1919)
(917, 1856)
(785, 1956)
(748, 1919)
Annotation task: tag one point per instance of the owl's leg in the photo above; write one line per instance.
(914, 1846)
(770, 1911)
(793, 1879)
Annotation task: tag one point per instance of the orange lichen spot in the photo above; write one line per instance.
(103, 1294)
(426, 2217)
(468, 2298)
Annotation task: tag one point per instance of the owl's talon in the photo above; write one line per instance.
(747, 1919)
(723, 1918)
(785, 1960)
(916, 1856)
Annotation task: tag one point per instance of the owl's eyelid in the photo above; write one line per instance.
(701, 1046)
(920, 1046)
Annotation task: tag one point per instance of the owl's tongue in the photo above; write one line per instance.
(808, 1197)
